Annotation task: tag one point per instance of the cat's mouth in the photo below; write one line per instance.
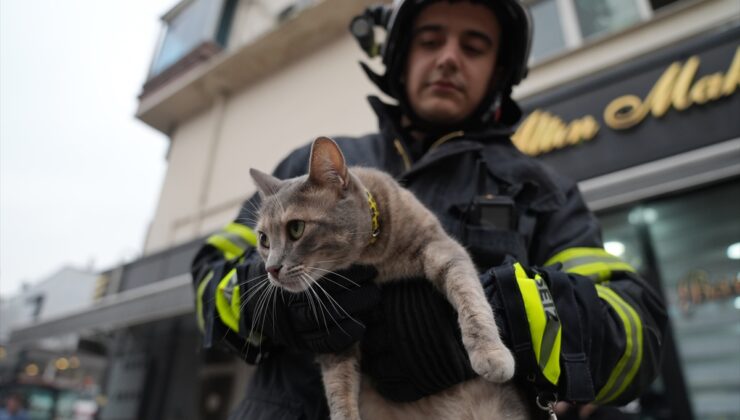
(292, 284)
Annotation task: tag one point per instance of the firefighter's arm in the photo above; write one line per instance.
(595, 327)
(230, 284)
(217, 289)
(216, 271)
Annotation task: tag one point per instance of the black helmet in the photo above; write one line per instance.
(516, 30)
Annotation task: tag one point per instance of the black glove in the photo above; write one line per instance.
(413, 346)
(327, 319)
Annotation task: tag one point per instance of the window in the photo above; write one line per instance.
(603, 16)
(689, 244)
(37, 304)
(560, 25)
(548, 34)
(190, 25)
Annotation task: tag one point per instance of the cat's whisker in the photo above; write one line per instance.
(318, 299)
(252, 293)
(252, 216)
(336, 305)
(253, 208)
(274, 303)
(262, 290)
(310, 300)
(260, 306)
(264, 297)
(257, 290)
(252, 211)
(336, 283)
(271, 294)
(338, 275)
(256, 278)
(256, 313)
(292, 297)
(326, 261)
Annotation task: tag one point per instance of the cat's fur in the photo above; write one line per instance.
(337, 233)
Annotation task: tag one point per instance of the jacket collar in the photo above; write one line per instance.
(504, 161)
(411, 154)
(389, 117)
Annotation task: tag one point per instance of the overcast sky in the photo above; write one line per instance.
(79, 175)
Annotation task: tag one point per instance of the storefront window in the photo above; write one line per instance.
(688, 243)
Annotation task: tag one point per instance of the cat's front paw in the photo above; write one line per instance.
(494, 363)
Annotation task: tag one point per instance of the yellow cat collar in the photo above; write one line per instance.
(374, 216)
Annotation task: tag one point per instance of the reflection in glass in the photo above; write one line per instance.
(184, 32)
(690, 234)
(691, 239)
(604, 16)
(548, 34)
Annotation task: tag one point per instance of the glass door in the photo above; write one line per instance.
(688, 246)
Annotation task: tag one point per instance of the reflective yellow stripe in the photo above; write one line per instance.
(223, 306)
(627, 366)
(545, 330)
(224, 245)
(199, 300)
(591, 262)
(571, 253)
(233, 240)
(236, 302)
(245, 232)
(600, 271)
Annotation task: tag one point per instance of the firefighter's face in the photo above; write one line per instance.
(451, 60)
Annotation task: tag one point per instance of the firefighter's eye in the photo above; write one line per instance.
(295, 229)
(264, 240)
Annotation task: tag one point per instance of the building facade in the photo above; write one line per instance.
(637, 100)
(59, 372)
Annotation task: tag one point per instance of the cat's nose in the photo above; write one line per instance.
(274, 270)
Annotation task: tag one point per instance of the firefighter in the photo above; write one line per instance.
(582, 324)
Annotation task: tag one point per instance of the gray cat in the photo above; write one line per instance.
(335, 217)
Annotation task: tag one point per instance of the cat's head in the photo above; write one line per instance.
(314, 224)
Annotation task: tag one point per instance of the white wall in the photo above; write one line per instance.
(324, 93)
(65, 291)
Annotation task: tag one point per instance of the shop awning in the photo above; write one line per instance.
(160, 300)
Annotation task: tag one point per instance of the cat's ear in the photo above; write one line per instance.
(267, 185)
(326, 165)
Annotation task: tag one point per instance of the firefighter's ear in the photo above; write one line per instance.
(267, 184)
(327, 166)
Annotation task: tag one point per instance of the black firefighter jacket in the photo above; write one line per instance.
(602, 340)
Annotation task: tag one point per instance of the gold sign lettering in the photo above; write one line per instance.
(697, 288)
(542, 132)
(674, 88)
(708, 88)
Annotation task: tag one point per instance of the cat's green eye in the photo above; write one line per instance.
(295, 229)
(264, 240)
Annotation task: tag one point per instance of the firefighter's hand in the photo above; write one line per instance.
(413, 345)
(327, 318)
